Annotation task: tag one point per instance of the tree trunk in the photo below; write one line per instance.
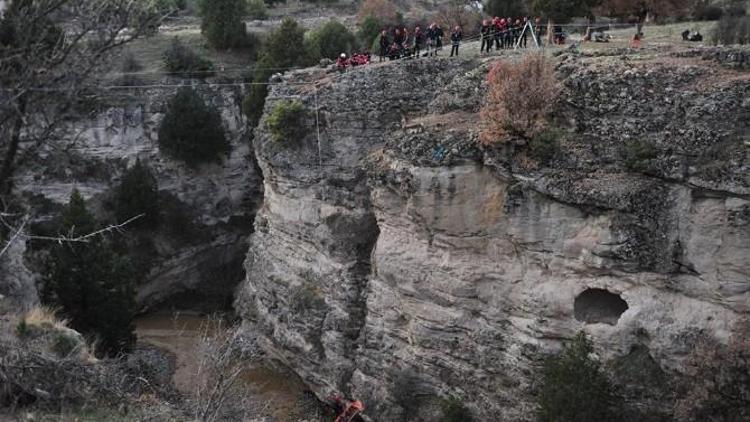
(8, 165)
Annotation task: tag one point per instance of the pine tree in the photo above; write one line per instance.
(504, 8)
(222, 23)
(90, 284)
(329, 41)
(284, 49)
(191, 131)
(574, 386)
(561, 11)
(369, 30)
(138, 194)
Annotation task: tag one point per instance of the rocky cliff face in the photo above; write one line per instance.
(394, 259)
(217, 201)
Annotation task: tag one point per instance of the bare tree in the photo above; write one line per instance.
(53, 55)
(462, 13)
(640, 10)
(224, 355)
(716, 382)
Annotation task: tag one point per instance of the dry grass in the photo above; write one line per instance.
(520, 98)
(44, 317)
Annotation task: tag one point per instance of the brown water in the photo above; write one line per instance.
(179, 333)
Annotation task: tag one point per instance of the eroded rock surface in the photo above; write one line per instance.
(216, 201)
(393, 247)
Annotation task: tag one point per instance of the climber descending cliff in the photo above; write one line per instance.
(347, 410)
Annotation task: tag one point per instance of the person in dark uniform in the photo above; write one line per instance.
(419, 40)
(384, 44)
(508, 33)
(438, 39)
(456, 37)
(485, 32)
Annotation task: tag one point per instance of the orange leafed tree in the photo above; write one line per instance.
(520, 98)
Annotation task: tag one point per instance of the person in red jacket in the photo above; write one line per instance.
(342, 62)
(496, 32)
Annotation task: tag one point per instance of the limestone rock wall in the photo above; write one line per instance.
(398, 261)
(309, 260)
(220, 199)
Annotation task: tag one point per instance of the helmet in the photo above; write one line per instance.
(502, 21)
(343, 55)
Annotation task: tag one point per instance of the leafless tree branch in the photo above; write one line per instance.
(19, 233)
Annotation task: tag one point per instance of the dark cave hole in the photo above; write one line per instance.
(599, 306)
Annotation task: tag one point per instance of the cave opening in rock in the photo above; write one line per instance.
(599, 306)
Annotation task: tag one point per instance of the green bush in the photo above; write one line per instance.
(704, 11)
(257, 9)
(369, 31)
(180, 59)
(637, 153)
(223, 22)
(178, 222)
(283, 50)
(329, 41)
(90, 284)
(406, 392)
(191, 131)
(732, 30)
(137, 194)
(455, 411)
(23, 329)
(130, 65)
(505, 7)
(167, 7)
(574, 388)
(546, 145)
(65, 344)
(286, 123)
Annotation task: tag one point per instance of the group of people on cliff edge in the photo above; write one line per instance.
(400, 43)
(499, 32)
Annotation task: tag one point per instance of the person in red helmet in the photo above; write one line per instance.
(502, 32)
(485, 32)
(496, 32)
(342, 63)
